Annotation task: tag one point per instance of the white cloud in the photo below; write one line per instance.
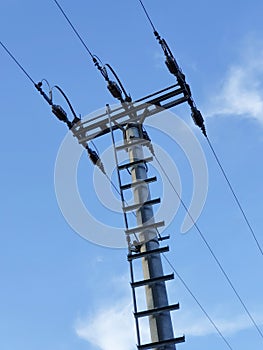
(111, 328)
(241, 92)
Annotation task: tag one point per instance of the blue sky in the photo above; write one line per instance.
(59, 291)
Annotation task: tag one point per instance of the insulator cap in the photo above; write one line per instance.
(115, 90)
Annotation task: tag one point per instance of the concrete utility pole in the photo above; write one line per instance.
(156, 295)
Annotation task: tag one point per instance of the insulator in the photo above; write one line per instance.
(181, 78)
(60, 113)
(115, 90)
(38, 87)
(94, 157)
(187, 90)
(147, 138)
(172, 65)
(198, 119)
(145, 135)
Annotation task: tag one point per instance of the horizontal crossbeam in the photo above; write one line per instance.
(100, 124)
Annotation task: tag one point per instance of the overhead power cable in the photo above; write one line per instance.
(147, 15)
(198, 302)
(211, 251)
(235, 196)
(17, 63)
(73, 28)
(116, 89)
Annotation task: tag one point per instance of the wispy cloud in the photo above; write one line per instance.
(111, 328)
(241, 90)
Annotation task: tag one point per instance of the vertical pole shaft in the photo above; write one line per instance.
(156, 295)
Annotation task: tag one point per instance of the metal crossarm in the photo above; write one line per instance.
(126, 113)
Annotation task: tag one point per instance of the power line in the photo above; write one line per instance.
(235, 196)
(147, 15)
(17, 63)
(73, 28)
(211, 251)
(197, 301)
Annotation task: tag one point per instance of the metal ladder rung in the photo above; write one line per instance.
(163, 238)
(153, 280)
(139, 182)
(157, 310)
(139, 205)
(144, 227)
(136, 162)
(158, 344)
(149, 252)
(142, 142)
